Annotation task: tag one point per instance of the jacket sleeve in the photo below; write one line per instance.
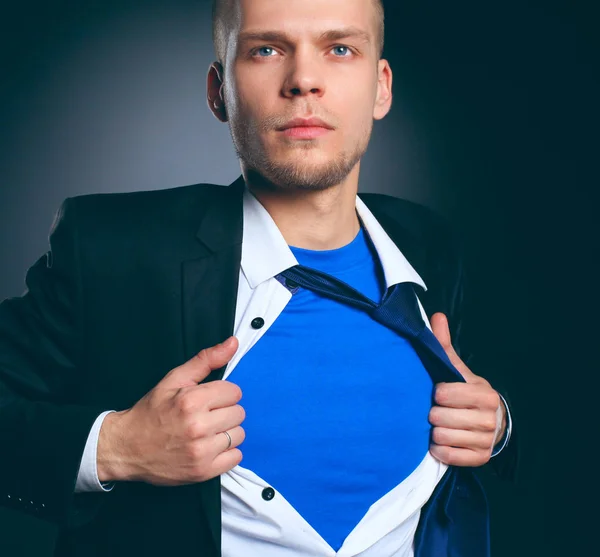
(43, 430)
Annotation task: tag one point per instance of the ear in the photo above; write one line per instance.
(214, 91)
(383, 100)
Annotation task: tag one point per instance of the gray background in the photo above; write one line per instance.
(107, 97)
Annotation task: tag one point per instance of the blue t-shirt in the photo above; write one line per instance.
(336, 404)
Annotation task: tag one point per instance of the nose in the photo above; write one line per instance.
(305, 76)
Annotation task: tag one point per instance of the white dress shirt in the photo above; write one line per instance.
(273, 528)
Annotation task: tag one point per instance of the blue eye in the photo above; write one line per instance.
(263, 48)
(340, 46)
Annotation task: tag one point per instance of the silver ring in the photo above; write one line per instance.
(228, 437)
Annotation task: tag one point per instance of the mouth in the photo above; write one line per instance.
(305, 128)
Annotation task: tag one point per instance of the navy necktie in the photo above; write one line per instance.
(399, 311)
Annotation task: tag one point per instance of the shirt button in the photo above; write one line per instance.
(268, 493)
(257, 322)
(290, 283)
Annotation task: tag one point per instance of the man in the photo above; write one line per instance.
(122, 368)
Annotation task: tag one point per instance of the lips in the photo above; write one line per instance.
(305, 128)
(306, 123)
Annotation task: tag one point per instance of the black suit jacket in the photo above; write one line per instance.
(134, 285)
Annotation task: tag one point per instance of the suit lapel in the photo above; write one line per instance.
(210, 282)
(209, 295)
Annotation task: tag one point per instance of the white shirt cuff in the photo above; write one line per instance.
(499, 444)
(87, 478)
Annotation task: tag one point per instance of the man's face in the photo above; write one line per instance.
(281, 65)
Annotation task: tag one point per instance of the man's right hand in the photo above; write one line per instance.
(174, 434)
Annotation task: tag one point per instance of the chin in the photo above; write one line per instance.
(305, 177)
(307, 168)
(304, 156)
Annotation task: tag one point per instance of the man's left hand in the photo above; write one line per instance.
(464, 419)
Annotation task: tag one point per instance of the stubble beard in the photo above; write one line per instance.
(295, 175)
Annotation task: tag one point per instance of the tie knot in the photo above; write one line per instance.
(326, 285)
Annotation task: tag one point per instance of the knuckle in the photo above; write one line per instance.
(440, 436)
(241, 413)
(184, 402)
(434, 415)
(189, 430)
(489, 423)
(481, 458)
(195, 429)
(236, 391)
(441, 392)
(236, 456)
(493, 400)
(196, 453)
(201, 357)
(441, 453)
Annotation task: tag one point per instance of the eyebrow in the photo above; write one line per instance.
(330, 35)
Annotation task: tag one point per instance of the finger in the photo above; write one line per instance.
(201, 364)
(459, 457)
(223, 419)
(461, 418)
(220, 441)
(466, 395)
(225, 461)
(216, 394)
(461, 438)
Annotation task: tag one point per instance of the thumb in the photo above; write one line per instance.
(199, 367)
(439, 326)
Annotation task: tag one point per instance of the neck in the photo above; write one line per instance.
(315, 220)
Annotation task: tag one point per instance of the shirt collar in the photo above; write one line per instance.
(265, 252)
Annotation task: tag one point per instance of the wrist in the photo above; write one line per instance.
(110, 457)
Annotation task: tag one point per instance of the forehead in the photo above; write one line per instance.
(296, 17)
